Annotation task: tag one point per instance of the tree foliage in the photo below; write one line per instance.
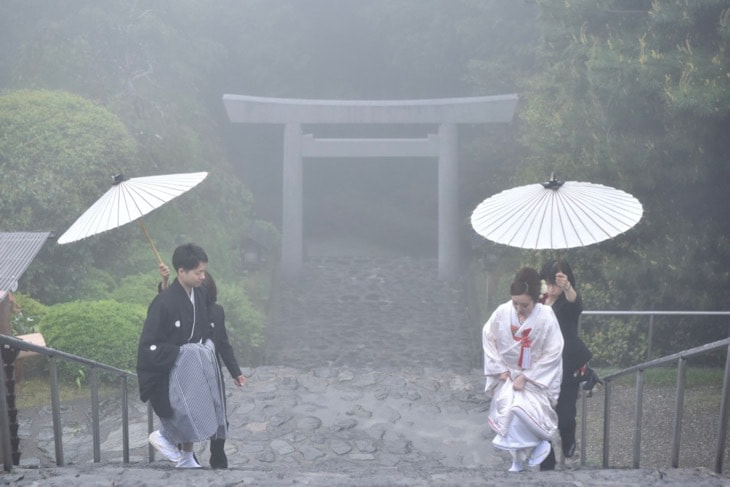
(57, 149)
(54, 148)
(148, 71)
(245, 322)
(636, 95)
(149, 66)
(627, 93)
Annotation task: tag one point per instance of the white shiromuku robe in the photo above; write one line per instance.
(534, 348)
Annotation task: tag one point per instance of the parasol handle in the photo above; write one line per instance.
(557, 254)
(154, 249)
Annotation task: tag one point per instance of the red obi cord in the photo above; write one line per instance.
(524, 346)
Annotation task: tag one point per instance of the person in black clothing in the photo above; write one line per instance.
(177, 365)
(567, 304)
(225, 356)
(224, 351)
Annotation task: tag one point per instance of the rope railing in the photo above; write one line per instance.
(10, 347)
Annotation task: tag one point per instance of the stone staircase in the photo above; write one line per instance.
(371, 312)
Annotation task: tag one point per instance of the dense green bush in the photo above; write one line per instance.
(245, 323)
(59, 151)
(105, 331)
(97, 285)
(27, 314)
(138, 289)
(617, 342)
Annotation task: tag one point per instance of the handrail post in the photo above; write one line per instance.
(678, 410)
(583, 427)
(6, 447)
(722, 430)
(606, 421)
(637, 415)
(150, 429)
(583, 414)
(125, 420)
(651, 337)
(96, 435)
(56, 411)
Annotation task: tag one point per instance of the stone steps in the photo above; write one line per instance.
(371, 312)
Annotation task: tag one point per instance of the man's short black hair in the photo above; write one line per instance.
(188, 257)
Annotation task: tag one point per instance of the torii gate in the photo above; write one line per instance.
(446, 112)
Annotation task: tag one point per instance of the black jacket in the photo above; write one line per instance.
(171, 322)
(575, 352)
(220, 338)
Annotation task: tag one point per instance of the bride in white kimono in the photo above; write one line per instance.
(523, 364)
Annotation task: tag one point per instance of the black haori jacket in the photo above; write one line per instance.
(220, 338)
(171, 322)
(575, 352)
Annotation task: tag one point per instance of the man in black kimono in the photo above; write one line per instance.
(223, 348)
(176, 362)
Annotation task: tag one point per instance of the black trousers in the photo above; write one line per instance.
(218, 457)
(567, 411)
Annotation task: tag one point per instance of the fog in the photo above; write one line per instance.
(380, 205)
(631, 94)
(371, 51)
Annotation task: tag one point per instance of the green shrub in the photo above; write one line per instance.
(27, 315)
(139, 289)
(615, 343)
(105, 331)
(52, 143)
(244, 322)
(97, 285)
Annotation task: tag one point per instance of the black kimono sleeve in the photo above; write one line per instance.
(575, 352)
(156, 355)
(220, 338)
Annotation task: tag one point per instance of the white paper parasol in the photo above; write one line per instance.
(128, 200)
(556, 215)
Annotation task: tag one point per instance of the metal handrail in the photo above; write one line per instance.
(665, 313)
(8, 342)
(639, 369)
(681, 359)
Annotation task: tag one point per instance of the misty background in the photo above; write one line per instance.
(628, 93)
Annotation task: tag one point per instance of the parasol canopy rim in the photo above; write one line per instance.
(127, 200)
(556, 215)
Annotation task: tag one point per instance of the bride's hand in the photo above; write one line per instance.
(519, 383)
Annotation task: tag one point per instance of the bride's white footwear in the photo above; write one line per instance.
(516, 466)
(539, 453)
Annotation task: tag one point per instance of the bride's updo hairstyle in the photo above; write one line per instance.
(527, 281)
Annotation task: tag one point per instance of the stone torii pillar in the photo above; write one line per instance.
(447, 113)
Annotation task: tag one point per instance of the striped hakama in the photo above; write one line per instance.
(196, 396)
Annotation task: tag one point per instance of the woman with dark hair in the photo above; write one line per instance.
(226, 356)
(523, 364)
(567, 304)
(176, 363)
(223, 348)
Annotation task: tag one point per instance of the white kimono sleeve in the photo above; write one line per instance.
(546, 370)
(494, 365)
